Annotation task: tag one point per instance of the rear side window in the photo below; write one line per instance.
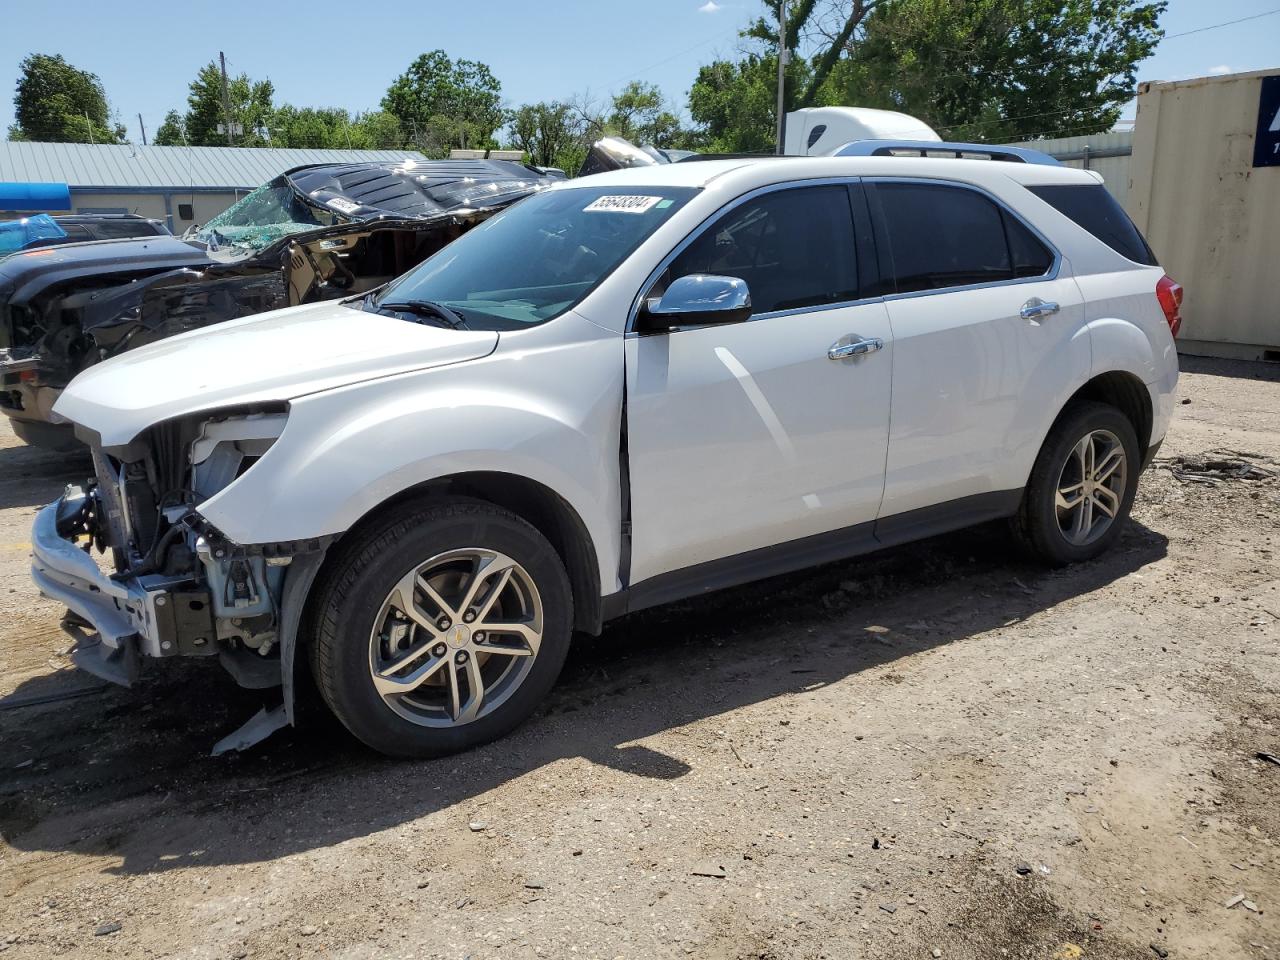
(114, 229)
(793, 247)
(1091, 207)
(944, 236)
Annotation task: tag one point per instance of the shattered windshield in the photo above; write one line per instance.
(272, 211)
(536, 259)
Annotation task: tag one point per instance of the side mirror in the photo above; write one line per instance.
(698, 299)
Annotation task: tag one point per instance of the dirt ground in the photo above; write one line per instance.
(939, 751)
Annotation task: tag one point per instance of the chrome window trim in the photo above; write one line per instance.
(1051, 274)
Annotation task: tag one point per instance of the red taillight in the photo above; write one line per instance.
(1169, 293)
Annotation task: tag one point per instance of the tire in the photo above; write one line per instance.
(361, 632)
(1055, 533)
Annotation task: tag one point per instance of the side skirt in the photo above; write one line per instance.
(772, 561)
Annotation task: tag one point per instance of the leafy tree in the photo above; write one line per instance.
(1000, 70)
(56, 102)
(250, 108)
(171, 132)
(973, 69)
(550, 133)
(640, 114)
(443, 103)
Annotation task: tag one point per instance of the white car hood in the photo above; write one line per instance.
(273, 356)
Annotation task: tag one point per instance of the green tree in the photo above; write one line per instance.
(973, 69)
(171, 132)
(442, 103)
(56, 102)
(550, 133)
(251, 109)
(640, 114)
(998, 70)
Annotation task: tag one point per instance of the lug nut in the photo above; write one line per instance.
(478, 637)
(443, 623)
(469, 616)
(461, 657)
(439, 650)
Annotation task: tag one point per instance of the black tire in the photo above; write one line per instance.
(1036, 525)
(350, 596)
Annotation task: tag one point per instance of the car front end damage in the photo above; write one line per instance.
(145, 577)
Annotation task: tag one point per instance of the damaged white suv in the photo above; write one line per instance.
(627, 389)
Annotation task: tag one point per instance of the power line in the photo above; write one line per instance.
(1226, 23)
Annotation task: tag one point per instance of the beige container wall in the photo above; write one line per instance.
(205, 205)
(1211, 217)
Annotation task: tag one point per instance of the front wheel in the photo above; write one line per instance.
(441, 629)
(1082, 485)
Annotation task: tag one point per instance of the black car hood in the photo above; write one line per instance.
(70, 260)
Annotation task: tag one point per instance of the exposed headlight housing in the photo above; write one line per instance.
(226, 447)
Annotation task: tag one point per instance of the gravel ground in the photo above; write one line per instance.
(939, 751)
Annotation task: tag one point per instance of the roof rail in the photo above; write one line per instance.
(931, 148)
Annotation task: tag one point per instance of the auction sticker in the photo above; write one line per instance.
(625, 203)
(342, 206)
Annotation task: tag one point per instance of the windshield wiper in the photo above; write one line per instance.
(428, 310)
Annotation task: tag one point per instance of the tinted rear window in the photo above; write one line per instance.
(1090, 206)
(943, 236)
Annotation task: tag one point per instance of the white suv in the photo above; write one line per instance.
(628, 389)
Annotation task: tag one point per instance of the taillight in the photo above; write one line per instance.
(1169, 293)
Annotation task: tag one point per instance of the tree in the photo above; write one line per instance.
(973, 69)
(56, 102)
(640, 114)
(441, 103)
(251, 109)
(550, 133)
(171, 132)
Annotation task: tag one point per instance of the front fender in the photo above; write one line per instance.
(549, 416)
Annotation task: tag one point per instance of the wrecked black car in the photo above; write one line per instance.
(313, 233)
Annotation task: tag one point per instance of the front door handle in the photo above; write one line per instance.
(1035, 308)
(841, 350)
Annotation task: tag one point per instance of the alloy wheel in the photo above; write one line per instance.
(456, 637)
(1091, 487)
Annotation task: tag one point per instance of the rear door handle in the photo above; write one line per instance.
(1035, 308)
(854, 348)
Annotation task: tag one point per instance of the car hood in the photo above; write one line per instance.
(271, 357)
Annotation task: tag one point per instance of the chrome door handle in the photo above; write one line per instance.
(854, 348)
(1035, 308)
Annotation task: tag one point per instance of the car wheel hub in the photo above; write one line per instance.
(435, 670)
(1091, 487)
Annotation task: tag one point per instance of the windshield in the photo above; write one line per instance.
(539, 257)
(272, 211)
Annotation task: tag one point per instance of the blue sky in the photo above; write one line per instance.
(323, 53)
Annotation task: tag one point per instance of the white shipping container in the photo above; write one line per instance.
(1212, 217)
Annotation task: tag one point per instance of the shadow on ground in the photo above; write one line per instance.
(127, 772)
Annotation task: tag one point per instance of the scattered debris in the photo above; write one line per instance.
(107, 928)
(256, 729)
(1250, 906)
(477, 826)
(1262, 755)
(1234, 901)
(888, 908)
(533, 885)
(309, 930)
(1218, 465)
(1023, 869)
(1160, 951)
(708, 870)
(936, 953)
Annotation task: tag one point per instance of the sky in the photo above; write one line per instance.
(323, 53)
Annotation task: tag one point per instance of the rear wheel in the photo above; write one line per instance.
(1082, 485)
(442, 629)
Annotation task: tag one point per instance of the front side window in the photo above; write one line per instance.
(945, 236)
(793, 247)
(272, 211)
(539, 257)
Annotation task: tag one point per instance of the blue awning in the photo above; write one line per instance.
(34, 197)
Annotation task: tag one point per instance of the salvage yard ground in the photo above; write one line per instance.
(938, 751)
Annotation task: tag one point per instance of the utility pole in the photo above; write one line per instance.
(226, 96)
(88, 123)
(143, 127)
(782, 71)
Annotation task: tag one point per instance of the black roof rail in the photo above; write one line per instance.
(931, 148)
